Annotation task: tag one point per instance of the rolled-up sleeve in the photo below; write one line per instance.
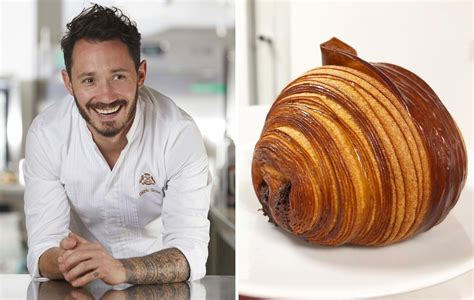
(187, 197)
(46, 204)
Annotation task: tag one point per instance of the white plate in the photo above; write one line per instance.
(272, 263)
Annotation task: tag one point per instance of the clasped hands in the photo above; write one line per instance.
(81, 262)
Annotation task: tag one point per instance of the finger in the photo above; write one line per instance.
(63, 253)
(86, 278)
(81, 247)
(78, 238)
(62, 268)
(78, 256)
(80, 269)
(67, 243)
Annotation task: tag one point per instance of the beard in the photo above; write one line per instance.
(112, 128)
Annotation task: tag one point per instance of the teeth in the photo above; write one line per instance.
(107, 111)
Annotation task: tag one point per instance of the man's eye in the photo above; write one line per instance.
(119, 76)
(88, 80)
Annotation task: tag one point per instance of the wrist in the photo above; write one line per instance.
(48, 264)
(122, 271)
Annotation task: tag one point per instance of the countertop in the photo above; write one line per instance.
(20, 286)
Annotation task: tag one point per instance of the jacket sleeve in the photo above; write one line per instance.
(46, 203)
(187, 197)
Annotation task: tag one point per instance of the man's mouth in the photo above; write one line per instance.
(108, 111)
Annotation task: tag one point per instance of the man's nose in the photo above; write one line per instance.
(106, 92)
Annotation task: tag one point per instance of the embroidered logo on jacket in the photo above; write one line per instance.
(147, 179)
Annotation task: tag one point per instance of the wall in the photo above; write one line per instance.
(432, 39)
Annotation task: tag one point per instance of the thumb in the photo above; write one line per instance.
(68, 243)
(78, 238)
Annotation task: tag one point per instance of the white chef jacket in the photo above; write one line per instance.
(161, 174)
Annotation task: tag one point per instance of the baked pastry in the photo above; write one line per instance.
(358, 153)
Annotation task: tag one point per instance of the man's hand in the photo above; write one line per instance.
(81, 262)
(68, 243)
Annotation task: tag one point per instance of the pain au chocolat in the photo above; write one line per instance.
(358, 153)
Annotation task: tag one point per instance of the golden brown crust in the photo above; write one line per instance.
(358, 153)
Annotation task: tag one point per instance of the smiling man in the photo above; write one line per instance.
(106, 165)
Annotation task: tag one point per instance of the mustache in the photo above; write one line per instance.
(100, 105)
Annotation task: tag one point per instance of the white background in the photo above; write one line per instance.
(433, 39)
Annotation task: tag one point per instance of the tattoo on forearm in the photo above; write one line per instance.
(165, 266)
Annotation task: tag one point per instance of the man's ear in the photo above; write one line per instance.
(67, 82)
(141, 73)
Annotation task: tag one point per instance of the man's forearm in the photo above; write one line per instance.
(165, 266)
(48, 264)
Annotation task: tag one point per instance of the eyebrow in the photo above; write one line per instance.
(119, 70)
(86, 74)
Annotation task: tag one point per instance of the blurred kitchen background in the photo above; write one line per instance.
(189, 46)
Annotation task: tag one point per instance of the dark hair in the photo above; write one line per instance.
(98, 23)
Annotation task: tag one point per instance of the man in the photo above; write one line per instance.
(103, 166)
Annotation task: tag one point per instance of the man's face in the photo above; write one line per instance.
(104, 83)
